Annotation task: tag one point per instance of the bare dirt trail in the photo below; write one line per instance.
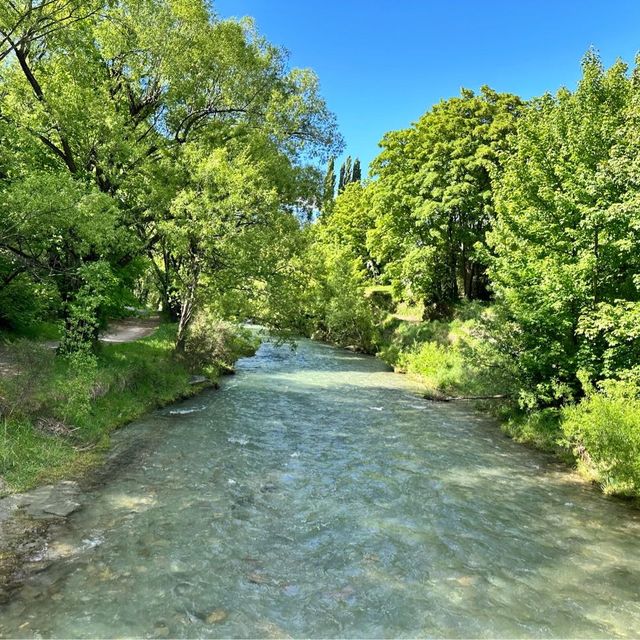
(118, 331)
(130, 329)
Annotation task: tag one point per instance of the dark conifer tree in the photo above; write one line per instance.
(356, 174)
(329, 186)
(347, 172)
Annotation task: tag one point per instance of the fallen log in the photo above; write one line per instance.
(439, 398)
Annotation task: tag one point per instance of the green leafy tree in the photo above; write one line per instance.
(433, 197)
(109, 100)
(565, 240)
(349, 222)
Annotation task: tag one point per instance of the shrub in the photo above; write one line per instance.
(441, 367)
(458, 356)
(540, 428)
(604, 431)
(214, 342)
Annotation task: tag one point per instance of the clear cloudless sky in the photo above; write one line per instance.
(382, 63)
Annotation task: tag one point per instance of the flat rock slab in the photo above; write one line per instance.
(61, 508)
(198, 380)
(59, 500)
(26, 520)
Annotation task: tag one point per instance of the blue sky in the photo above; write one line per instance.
(382, 64)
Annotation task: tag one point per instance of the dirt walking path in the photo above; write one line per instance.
(118, 331)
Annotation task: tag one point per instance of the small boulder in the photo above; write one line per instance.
(62, 508)
(217, 616)
(257, 578)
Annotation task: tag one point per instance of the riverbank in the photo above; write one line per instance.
(58, 418)
(456, 359)
(459, 358)
(58, 413)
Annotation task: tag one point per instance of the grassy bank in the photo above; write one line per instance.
(57, 413)
(599, 434)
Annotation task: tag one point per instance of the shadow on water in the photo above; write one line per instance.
(316, 495)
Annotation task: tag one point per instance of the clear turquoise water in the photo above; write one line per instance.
(317, 495)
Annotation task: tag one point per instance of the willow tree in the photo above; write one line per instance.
(115, 95)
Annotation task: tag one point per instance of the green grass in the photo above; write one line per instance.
(542, 429)
(449, 356)
(91, 397)
(41, 330)
(24, 453)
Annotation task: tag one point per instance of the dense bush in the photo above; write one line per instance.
(337, 308)
(212, 342)
(457, 356)
(604, 431)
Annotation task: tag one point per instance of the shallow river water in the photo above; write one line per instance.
(317, 495)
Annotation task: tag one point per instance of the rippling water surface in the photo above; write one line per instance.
(317, 495)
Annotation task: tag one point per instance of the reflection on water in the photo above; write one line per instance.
(317, 495)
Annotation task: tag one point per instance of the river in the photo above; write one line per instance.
(316, 494)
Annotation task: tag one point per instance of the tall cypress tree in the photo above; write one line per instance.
(356, 174)
(350, 171)
(329, 186)
(347, 172)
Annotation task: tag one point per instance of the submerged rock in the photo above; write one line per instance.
(58, 500)
(62, 508)
(255, 577)
(161, 631)
(216, 616)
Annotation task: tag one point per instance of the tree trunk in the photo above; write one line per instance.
(169, 299)
(453, 265)
(186, 315)
(187, 305)
(170, 304)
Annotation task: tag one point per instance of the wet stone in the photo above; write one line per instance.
(216, 616)
(255, 577)
(58, 500)
(62, 509)
(24, 530)
(161, 631)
